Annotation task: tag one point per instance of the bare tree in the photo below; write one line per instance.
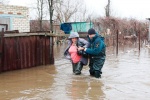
(51, 10)
(61, 11)
(40, 8)
(65, 9)
(81, 14)
(34, 25)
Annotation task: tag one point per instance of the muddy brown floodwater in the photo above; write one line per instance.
(125, 77)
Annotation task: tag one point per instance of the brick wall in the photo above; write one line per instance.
(18, 15)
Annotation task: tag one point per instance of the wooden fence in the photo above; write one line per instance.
(25, 50)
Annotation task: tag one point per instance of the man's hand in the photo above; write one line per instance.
(80, 48)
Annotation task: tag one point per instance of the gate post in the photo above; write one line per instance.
(117, 43)
(1, 48)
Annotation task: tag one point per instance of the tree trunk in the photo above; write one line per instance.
(107, 9)
(50, 2)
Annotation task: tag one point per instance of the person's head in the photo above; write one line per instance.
(91, 33)
(74, 36)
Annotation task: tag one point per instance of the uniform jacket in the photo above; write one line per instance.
(97, 47)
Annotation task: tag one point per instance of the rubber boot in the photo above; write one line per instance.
(91, 72)
(79, 67)
(97, 74)
(73, 67)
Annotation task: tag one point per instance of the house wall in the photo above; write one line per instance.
(18, 16)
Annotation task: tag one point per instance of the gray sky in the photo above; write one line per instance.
(138, 9)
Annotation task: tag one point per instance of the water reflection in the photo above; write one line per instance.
(26, 83)
(85, 89)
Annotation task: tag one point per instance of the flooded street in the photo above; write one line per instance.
(125, 77)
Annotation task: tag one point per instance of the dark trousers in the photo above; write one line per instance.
(95, 65)
(77, 67)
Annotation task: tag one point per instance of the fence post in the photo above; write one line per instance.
(1, 48)
(117, 43)
(139, 39)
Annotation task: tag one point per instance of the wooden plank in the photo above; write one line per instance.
(1, 49)
(22, 45)
(37, 55)
(51, 51)
(17, 51)
(26, 52)
(34, 51)
(1, 52)
(47, 51)
(7, 54)
(41, 50)
(21, 53)
(29, 52)
(44, 50)
(37, 34)
(13, 54)
(4, 56)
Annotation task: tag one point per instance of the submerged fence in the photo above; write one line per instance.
(25, 50)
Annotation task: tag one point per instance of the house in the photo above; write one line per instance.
(14, 18)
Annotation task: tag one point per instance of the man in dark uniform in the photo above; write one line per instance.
(96, 52)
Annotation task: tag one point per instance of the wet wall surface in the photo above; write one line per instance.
(125, 77)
